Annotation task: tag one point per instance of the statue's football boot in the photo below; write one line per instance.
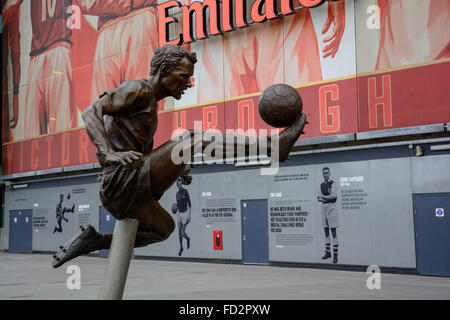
(86, 240)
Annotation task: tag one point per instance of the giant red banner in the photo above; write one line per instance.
(58, 57)
(404, 98)
(387, 100)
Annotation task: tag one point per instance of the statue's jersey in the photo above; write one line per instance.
(133, 129)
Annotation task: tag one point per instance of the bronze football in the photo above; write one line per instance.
(279, 105)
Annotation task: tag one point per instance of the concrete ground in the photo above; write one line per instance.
(30, 276)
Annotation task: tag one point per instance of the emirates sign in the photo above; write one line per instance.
(222, 16)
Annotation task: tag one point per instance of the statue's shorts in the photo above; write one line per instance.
(123, 187)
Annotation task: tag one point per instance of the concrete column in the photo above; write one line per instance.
(119, 259)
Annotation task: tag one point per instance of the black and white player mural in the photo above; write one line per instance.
(183, 211)
(329, 214)
(61, 210)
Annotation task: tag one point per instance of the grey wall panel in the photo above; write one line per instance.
(307, 243)
(431, 174)
(374, 209)
(43, 201)
(170, 247)
(293, 187)
(353, 209)
(48, 232)
(391, 213)
(208, 194)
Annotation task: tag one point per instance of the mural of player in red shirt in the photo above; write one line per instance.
(49, 99)
(11, 41)
(254, 58)
(413, 31)
(126, 42)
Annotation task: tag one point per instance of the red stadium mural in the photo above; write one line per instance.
(411, 32)
(10, 48)
(412, 65)
(60, 55)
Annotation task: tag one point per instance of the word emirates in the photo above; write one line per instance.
(223, 17)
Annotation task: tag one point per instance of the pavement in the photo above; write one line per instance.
(31, 277)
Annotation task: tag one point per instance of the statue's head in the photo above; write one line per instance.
(175, 67)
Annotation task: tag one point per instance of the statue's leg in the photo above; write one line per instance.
(276, 147)
(85, 240)
(289, 136)
(165, 171)
(155, 225)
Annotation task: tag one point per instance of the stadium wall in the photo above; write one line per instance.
(381, 78)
